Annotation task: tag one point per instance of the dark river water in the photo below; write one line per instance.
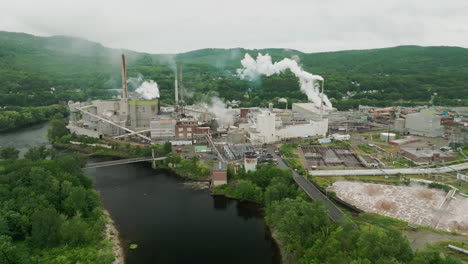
(173, 223)
(25, 138)
(170, 222)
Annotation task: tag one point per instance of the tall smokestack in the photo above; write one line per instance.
(124, 79)
(181, 83)
(176, 90)
(158, 100)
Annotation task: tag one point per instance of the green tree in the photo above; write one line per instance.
(167, 147)
(249, 191)
(57, 129)
(45, 227)
(9, 153)
(9, 253)
(37, 153)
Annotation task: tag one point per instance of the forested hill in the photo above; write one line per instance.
(79, 69)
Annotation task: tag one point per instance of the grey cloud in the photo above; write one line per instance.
(307, 25)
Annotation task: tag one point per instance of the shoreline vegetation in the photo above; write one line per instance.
(50, 213)
(112, 234)
(15, 117)
(305, 234)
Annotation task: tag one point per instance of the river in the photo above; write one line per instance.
(170, 222)
(25, 138)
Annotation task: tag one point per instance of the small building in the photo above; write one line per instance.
(387, 137)
(201, 149)
(341, 137)
(404, 141)
(250, 161)
(426, 155)
(324, 140)
(219, 176)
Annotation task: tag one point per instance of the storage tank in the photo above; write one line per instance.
(387, 137)
(250, 161)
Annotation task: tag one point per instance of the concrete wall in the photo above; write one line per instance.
(84, 132)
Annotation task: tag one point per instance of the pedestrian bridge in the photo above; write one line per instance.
(122, 161)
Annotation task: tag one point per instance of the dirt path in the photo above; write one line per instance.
(421, 238)
(113, 234)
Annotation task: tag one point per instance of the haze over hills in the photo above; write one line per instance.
(80, 69)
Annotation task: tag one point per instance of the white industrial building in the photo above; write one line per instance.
(270, 128)
(423, 124)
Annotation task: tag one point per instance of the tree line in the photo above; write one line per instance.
(306, 233)
(49, 212)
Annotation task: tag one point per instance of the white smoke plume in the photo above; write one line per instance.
(218, 108)
(263, 65)
(148, 90)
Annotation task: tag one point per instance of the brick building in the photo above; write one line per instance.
(219, 175)
(425, 155)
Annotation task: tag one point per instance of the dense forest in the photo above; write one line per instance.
(37, 71)
(308, 236)
(13, 117)
(49, 211)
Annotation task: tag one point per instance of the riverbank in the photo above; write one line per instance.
(112, 234)
(284, 256)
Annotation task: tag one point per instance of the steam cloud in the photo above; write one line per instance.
(148, 90)
(252, 69)
(224, 115)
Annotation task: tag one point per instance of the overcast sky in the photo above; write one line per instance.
(307, 25)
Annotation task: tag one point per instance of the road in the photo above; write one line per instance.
(372, 172)
(334, 212)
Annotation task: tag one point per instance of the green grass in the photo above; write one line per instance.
(366, 148)
(442, 247)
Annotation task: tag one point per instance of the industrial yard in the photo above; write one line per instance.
(414, 204)
(328, 141)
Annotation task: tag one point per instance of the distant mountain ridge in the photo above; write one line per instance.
(81, 69)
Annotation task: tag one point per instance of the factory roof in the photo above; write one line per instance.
(426, 152)
(220, 166)
(309, 107)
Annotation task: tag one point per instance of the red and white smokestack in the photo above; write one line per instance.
(124, 79)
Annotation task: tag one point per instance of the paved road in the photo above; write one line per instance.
(334, 212)
(372, 172)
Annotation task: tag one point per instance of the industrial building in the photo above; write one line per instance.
(136, 118)
(423, 124)
(425, 155)
(269, 126)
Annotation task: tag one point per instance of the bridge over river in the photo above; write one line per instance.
(121, 161)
